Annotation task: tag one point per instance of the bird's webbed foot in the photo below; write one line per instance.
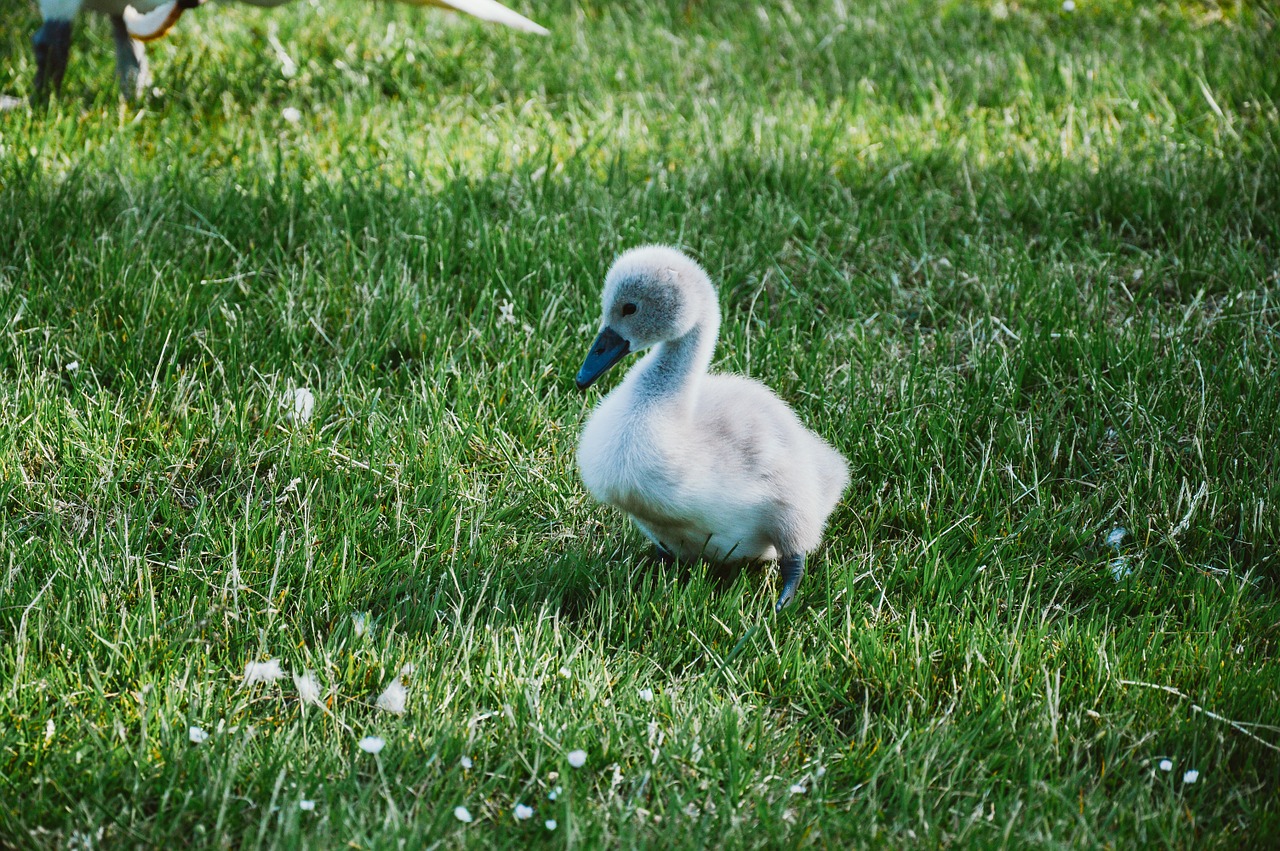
(792, 569)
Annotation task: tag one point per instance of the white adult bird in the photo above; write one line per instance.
(136, 21)
(707, 465)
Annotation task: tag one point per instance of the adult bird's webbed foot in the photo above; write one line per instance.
(792, 570)
(52, 43)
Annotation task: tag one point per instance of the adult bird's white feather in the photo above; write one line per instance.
(706, 465)
(153, 24)
(487, 10)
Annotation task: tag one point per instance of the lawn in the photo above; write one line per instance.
(1020, 263)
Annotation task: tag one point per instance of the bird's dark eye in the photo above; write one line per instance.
(628, 309)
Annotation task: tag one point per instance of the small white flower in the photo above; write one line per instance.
(372, 744)
(299, 404)
(1191, 776)
(798, 789)
(646, 694)
(49, 730)
(462, 814)
(196, 735)
(291, 114)
(73, 366)
(86, 839)
(550, 824)
(566, 673)
(577, 758)
(507, 313)
(393, 697)
(555, 793)
(822, 770)
(465, 762)
(1120, 568)
(523, 813)
(1166, 765)
(1115, 537)
(1068, 5)
(304, 804)
(262, 672)
(360, 623)
(308, 688)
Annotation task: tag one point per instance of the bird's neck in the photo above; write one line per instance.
(673, 371)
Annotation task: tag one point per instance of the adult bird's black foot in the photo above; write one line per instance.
(53, 44)
(792, 569)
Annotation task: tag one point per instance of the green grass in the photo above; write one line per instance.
(1020, 265)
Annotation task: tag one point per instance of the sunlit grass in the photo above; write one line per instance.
(1018, 263)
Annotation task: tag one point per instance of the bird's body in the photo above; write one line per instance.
(137, 21)
(707, 465)
(727, 472)
(66, 9)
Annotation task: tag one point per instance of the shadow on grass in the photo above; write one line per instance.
(384, 290)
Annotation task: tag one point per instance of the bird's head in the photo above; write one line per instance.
(652, 295)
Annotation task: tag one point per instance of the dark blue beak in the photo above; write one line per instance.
(608, 349)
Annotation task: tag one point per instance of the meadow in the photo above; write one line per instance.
(1019, 262)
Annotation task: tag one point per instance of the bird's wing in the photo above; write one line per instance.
(487, 10)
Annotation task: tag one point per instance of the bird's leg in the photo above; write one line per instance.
(131, 60)
(52, 43)
(792, 569)
(661, 554)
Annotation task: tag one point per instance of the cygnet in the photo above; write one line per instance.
(708, 466)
